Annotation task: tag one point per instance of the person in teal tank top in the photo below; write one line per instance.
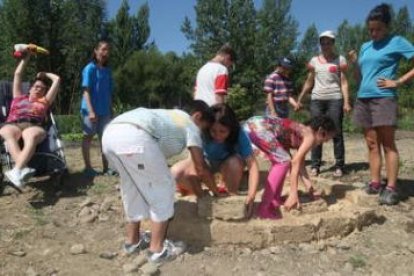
(376, 106)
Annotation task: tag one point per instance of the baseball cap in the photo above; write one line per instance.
(286, 62)
(329, 34)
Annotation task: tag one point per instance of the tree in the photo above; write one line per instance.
(128, 33)
(276, 33)
(309, 45)
(402, 23)
(211, 31)
(67, 28)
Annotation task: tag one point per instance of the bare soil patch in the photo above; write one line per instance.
(78, 229)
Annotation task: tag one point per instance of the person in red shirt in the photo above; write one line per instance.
(213, 78)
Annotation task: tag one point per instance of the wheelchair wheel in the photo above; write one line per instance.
(47, 164)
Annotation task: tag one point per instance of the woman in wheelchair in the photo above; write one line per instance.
(25, 120)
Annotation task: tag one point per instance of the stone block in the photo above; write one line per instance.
(226, 208)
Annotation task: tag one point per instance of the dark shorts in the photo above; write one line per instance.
(375, 112)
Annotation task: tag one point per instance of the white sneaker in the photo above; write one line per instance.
(14, 176)
(26, 173)
(170, 251)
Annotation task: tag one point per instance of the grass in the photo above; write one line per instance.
(19, 234)
(38, 216)
(357, 261)
(99, 188)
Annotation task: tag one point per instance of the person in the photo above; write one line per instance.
(330, 96)
(137, 144)
(26, 119)
(375, 109)
(279, 88)
(274, 137)
(96, 105)
(213, 77)
(227, 150)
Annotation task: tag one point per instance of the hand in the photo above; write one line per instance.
(298, 106)
(92, 117)
(248, 209)
(386, 83)
(347, 107)
(292, 201)
(352, 56)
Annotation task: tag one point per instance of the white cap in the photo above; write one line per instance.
(329, 34)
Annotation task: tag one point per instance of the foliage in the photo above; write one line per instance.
(152, 79)
(146, 77)
(239, 100)
(128, 33)
(67, 124)
(309, 45)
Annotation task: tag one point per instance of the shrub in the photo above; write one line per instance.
(68, 124)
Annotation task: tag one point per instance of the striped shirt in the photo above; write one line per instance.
(280, 87)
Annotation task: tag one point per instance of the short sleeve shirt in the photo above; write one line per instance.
(327, 84)
(279, 86)
(212, 79)
(22, 108)
(220, 151)
(98, 80)
(380, 59)
(172, 128)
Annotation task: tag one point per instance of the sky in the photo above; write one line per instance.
(167, 16)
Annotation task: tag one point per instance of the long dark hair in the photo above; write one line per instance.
(380, 13)
(97, 46)
(321, 122)
(224, 115)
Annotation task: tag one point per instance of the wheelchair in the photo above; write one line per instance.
(49, 158)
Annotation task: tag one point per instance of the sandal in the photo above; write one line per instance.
(314, 172)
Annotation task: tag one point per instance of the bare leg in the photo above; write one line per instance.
(232, 172)
(132, 232)
(32, 136)
(104, 161)
(11, 135)
(158, 234)
(374, 154)
(86, 146)
(387, 134)
(185, 176)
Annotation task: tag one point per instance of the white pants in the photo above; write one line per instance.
(147, 186)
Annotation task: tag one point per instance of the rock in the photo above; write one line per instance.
(87, 215)
(77, 249)
(106, 205)
(86, 202)
(343, 245)
(18, 253)
(149, 269)
(312, 207)
(108, 255)
(103, 217)
(275, 250)
(130, 268)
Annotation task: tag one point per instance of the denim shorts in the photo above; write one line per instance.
(97, 127)
(375, 112)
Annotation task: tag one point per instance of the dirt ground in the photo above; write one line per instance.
(78, 229)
